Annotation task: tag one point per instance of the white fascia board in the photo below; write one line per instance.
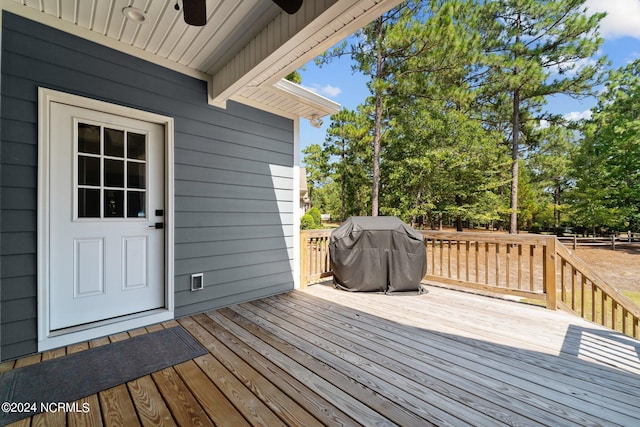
(320, 105)
(307, 97)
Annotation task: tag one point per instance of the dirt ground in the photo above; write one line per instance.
(619, 268)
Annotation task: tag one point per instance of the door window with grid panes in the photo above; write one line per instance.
(111, 172)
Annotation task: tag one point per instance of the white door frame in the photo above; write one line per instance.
(46, 338)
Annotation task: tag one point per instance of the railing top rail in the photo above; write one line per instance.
(526, 239)
(315, 233)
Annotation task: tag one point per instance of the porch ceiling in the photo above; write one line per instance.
(244, 50)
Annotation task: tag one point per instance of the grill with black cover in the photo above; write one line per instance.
(381, 254)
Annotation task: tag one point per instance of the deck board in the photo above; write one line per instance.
(440, 372)
(320, 408)
(304, 367)
(244, 400)
(90, 418)
(431, 374)
(320, 356)
(274, 398)
(151, 408)
(183, 405)
(525, 391)
(362, 383)
(117, 408)
(215, 404)
(402, 392)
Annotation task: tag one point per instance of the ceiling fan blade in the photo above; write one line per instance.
(289, 6)
(195, 12)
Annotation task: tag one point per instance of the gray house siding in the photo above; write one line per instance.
(233, 175)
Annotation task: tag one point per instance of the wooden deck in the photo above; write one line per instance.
(325, 357)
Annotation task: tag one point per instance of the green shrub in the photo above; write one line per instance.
(307, 222)
(317, 218)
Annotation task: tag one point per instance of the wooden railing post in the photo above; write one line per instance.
(550, 286)
(304, 259)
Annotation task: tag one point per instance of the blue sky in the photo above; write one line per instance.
(336, 81)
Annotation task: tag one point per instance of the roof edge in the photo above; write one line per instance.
(302, 94)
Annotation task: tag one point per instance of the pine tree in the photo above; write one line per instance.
(535, 49)
(607, 164)
(550, 163)
(346, 145)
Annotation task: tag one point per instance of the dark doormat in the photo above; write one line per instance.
(82, 374)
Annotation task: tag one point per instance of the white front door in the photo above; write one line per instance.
(106, 213)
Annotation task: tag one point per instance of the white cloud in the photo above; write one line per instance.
(574, 116)
(326, 90)
(623, 17)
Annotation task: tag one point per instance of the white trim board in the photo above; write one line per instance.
(296, 206)
(46, 338)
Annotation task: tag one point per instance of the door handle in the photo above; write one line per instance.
(157, 225)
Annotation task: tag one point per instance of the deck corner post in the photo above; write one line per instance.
(304, 259)
(550, 286)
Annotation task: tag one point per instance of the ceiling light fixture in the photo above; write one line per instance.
(134, 14)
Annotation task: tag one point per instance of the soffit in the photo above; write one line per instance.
(245, 48)
(231, 24)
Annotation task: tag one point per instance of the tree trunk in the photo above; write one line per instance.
(342, 189)
(556, 211)
(377, 125)
(414, 218)
(458, 217)
(515, 145)
(375, 190)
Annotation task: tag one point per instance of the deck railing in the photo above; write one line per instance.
(531, 266)
(586, 294)
(520, 265)
(314, 255)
